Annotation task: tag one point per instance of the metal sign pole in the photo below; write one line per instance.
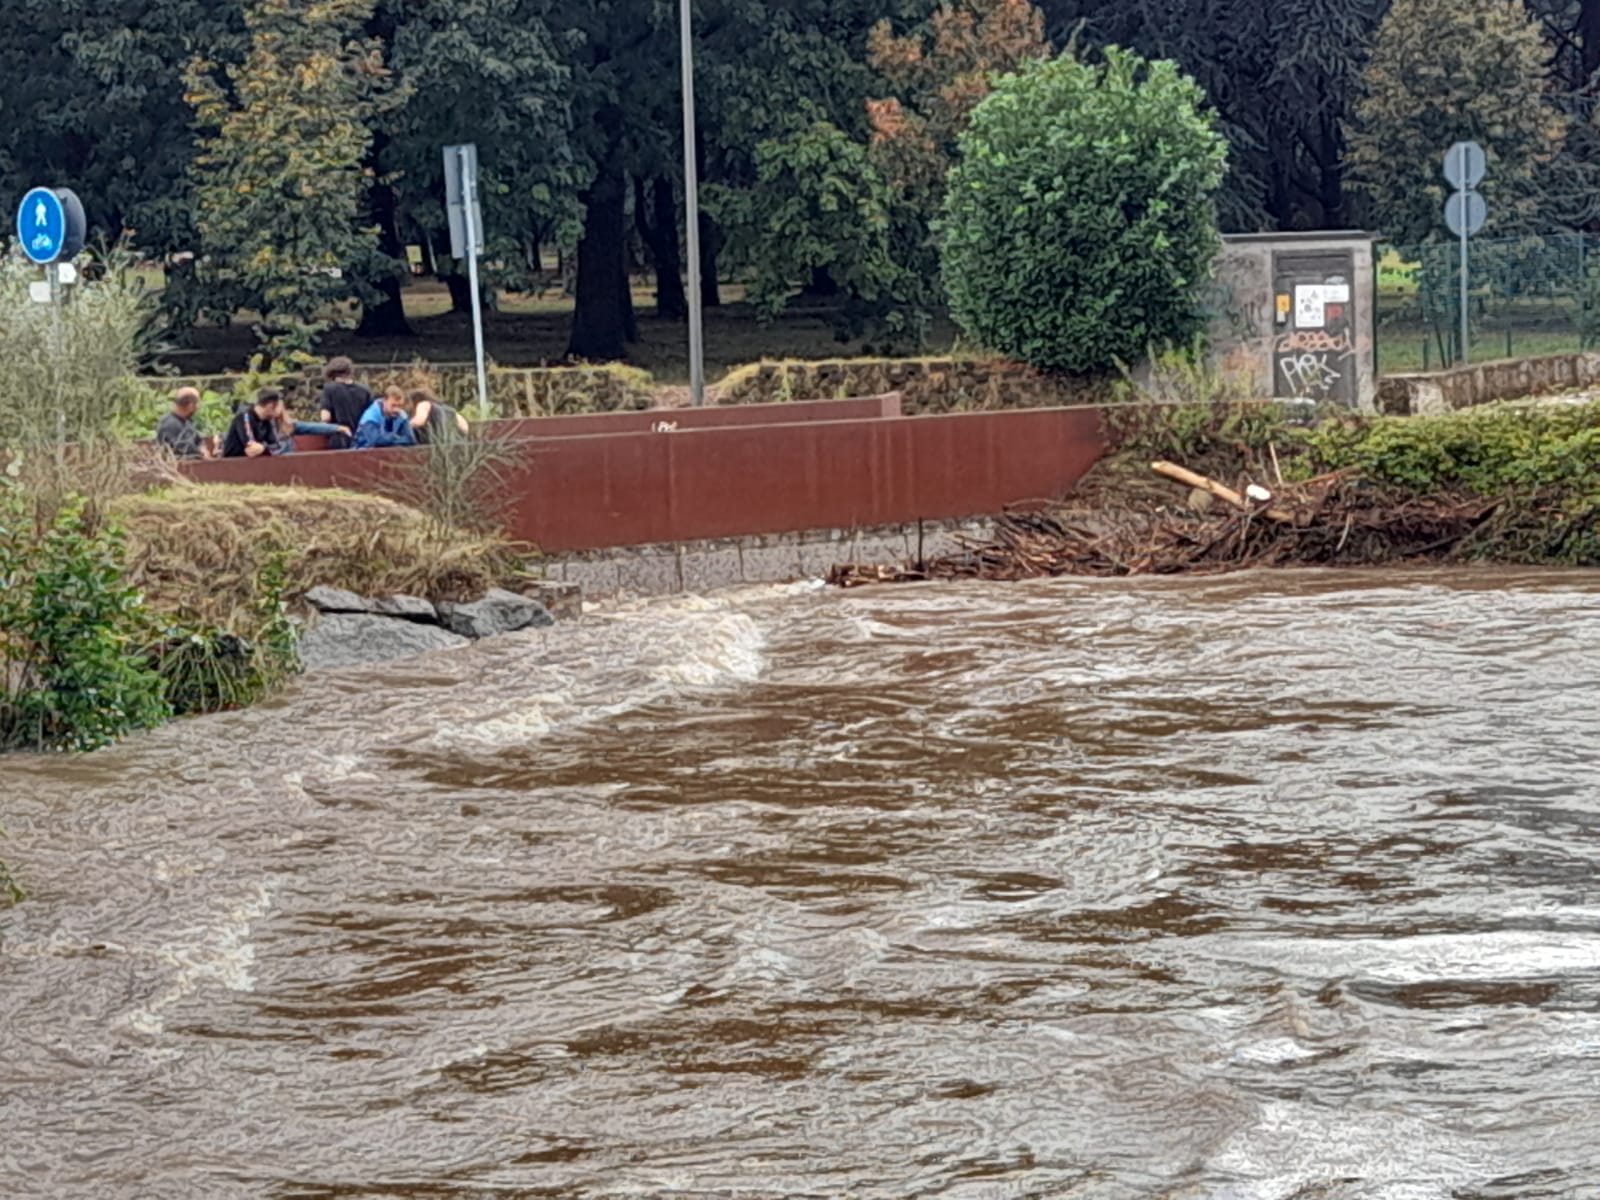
(1465, 165)
(52, 274)
(691, 204)
(1466, 354)
(469, 198)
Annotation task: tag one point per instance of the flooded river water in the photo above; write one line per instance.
(1270, 887)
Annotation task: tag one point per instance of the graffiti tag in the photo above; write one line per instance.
(1315, 341)
(1309, 374)
(664, 427)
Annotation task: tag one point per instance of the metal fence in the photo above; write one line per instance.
(1526, 296)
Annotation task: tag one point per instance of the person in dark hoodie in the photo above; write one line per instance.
(254, 431)
(385, 423)
(344, 401)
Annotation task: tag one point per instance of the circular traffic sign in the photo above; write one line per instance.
(1465, 211)
(1465, 165)
(42, 225)
(50, 225)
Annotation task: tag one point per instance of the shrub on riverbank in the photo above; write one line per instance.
(1536, 465)
(72, 671)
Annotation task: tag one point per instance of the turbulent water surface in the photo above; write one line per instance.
(1279, 886)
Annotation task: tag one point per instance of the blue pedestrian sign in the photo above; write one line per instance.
(50, 225)
(42, 225)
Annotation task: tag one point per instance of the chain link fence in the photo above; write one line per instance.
(1526, 296)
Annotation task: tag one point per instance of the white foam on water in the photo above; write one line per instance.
(219, 953)
(631, 655)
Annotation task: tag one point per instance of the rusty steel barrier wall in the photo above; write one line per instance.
(588, 492)
(672, 420)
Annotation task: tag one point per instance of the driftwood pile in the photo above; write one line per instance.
(1106, 530)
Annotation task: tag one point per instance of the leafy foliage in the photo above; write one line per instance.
(824, 207)
(940, 77)
(279, 177)
(1538, 461)
(1080, 224)
(1443, 71)
(72, 676)
(211, 669)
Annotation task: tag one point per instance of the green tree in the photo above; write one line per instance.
(1080, 221)
(93, 97)
(1282, 79)
(279, 179)
(818, 204)
(1443, 71)
(482, 71)
(850, 198)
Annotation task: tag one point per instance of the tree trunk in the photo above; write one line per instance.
(1330, 166)
(822, 284)
(386, 318)
(711, 240)
(711, 237)
(600, 318)
(1589, 37)
(657, 219)
(460, 287)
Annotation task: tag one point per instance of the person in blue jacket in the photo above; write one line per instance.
(385, 423)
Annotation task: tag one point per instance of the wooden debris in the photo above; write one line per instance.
(1336, 518)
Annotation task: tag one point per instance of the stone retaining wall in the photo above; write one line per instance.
(513, 391)
(1483, 383)
(929, 385)
(704, 566)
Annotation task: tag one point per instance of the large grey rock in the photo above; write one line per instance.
(336, 600)
(498, 612)
(356, 639)
(407, 608)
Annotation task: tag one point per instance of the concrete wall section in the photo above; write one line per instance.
(630, 489)
(704, 566)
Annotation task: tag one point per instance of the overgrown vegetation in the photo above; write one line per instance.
(1535, 464)
(204, 554)
(72, 670)
(209, 669)
(1080, 222)
(1217, 487)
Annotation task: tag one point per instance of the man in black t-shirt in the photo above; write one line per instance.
(254, 431)
(344, 402)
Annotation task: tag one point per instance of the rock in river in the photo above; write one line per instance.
(356, 639)
(498, 612)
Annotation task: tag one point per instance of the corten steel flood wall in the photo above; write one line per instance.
(628, 489)
(672, 420)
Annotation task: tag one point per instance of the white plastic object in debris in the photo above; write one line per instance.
(1256, 492)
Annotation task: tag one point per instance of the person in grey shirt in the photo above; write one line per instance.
(176, 430)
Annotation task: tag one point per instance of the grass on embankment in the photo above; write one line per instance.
(198, 551)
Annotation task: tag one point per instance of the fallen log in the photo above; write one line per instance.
(1219, 490)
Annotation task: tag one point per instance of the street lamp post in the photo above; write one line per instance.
(691, 202)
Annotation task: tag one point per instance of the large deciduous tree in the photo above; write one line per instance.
(279, 178)
(483, 71)
(1281, 77)
(1443, 71)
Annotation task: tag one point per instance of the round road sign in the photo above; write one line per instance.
(1465, 165)
(50, 225)
(1465, 210)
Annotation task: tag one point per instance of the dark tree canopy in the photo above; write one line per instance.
(574, 105)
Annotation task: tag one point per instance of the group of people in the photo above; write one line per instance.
(351, 416)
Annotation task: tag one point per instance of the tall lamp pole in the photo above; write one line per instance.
(691, 201)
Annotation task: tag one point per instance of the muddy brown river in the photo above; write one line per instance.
(1275, 887)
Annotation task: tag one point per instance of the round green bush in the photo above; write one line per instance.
(1080, 221)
